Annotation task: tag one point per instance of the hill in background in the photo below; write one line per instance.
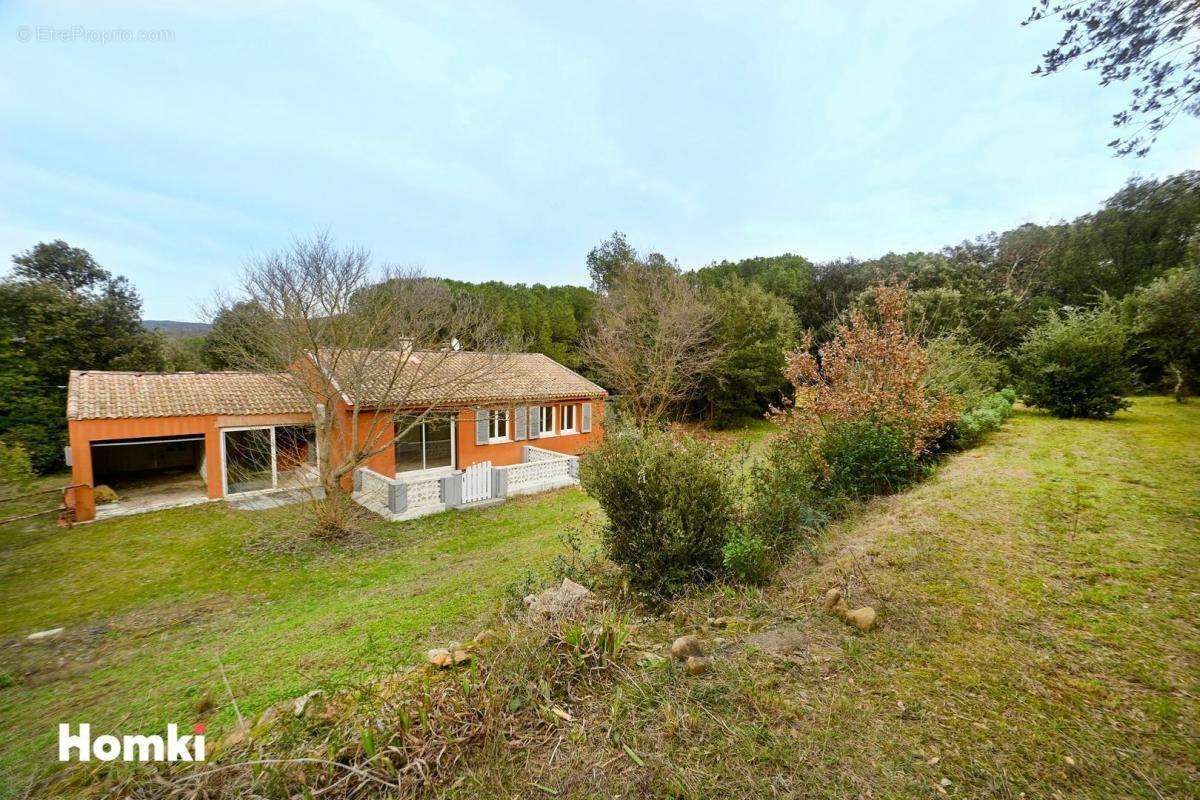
(176, 330)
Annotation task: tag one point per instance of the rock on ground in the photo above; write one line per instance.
(558, 601)
(861, 618)
(686, 646)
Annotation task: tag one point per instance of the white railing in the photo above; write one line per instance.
(424, 492)
(373, 487)
(539, 476)
(398, 498)
(531, 453)
(405, 497)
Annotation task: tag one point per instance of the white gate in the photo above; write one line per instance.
(477, 482)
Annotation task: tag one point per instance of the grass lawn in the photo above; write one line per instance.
(1038, 634)
(151, 602)
(1038, 603)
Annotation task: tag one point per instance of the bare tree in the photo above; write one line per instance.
(653, 339)
(359, 345)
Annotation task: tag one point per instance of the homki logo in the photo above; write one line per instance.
(130, 748)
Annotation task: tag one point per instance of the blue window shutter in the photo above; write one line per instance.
(585, 424)
(481, 426)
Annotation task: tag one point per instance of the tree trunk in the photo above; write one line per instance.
(1177, 373)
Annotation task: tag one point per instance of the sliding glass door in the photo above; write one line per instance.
(268, 457)
(428, 444)
(249, 460)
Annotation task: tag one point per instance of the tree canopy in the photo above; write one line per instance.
(60, 310)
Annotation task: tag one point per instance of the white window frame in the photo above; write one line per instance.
(274, 462)
(574, 419)
(543, 411)
(274, 457)
(495, 417)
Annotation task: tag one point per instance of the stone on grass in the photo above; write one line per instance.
(453, 655)
(558, 601)
(440, 657)
(697, 665)
(834, 603)
(306, 704)
(686, 646)
(861, 618)
(45, 634)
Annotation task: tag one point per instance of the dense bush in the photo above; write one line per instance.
(1165, 317)
(1073, 364)
(866, 457)
(670, 503)
(16, 471)
(962, 368)
(872, 369)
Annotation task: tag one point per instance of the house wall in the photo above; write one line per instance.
(83, 432)
(505, 453)
(369, 424)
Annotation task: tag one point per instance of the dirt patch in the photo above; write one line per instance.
(783, 641)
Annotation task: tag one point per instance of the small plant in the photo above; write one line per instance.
(979, 420)
(579, 561)
(747, 558)
(592, 646)
(1073, 364)
(866, 457)
(669, 505)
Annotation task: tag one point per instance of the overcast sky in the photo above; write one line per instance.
(503, 140)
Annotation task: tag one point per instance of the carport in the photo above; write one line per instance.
(152, 472)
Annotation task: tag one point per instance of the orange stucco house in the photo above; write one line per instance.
(161, 439)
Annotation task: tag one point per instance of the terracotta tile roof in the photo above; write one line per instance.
(443, 378)
(117, 395)
(381, 378)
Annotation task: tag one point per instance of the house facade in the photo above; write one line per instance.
(164, 439)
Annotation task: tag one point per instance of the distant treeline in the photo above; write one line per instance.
(60, 310)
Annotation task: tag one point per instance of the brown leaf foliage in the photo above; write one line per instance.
(873, 367)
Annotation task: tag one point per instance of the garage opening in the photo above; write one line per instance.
(150, 472)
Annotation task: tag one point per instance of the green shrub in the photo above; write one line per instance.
(669, 502)
(16, 472)
(747, 558)
(984, 417)
(962, 368)
(786, 502)
(1073, 364)
(866, 457)
(1009, 394)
